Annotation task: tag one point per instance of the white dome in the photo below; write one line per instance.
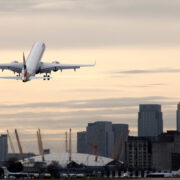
(63, 159)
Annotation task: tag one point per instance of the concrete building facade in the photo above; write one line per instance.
(150, 121)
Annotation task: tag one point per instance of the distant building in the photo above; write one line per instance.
(82, 142)
(166, 151)
(120, 138)
(150, 122)
(103, 138)
(139, 153)
(3, 147)
(47, 151)
(178, 118)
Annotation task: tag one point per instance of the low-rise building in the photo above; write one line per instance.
(166, 151)
(138, 153)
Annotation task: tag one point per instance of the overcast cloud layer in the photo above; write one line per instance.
(56, 117)
(83, 23)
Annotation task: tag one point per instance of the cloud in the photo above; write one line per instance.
(150, 85)
(149, 71)
(93, 103)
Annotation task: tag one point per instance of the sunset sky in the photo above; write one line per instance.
(135, 43)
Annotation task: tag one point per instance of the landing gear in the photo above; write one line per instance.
(18, 76)
(46, 77)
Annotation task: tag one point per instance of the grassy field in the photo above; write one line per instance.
(122, 178)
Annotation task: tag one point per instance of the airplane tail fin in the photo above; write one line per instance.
(24, 70)
(24, 62)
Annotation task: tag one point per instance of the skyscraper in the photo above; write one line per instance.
(150, 122)
(3, 147)
(105, 139)
(100, 138)
(178, 118)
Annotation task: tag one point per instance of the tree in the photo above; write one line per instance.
(13, 165)
(53, 169)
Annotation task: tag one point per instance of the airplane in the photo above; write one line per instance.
(33, 65)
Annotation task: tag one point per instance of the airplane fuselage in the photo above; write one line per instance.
(33, 61)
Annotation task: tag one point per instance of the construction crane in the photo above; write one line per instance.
(117, 145)
(123, 148)
(19, 145)
(11, 143)
(40, 144)
(66, 142)
(98, 145)
(70, 150)
(94, 144)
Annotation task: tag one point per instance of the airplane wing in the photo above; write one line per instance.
(55, 66)
(11, 77)
(20, 78)
(14, 66)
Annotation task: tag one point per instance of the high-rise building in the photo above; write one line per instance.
(100, 138)
(3, 147)
(150, 122)
(178, 118)
(120, 138)
(103, 138)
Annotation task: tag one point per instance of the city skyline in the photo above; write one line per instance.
(134, 42)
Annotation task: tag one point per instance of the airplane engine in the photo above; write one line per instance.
(55, 62)
(55, 69)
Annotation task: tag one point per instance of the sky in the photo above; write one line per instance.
(135, 44)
